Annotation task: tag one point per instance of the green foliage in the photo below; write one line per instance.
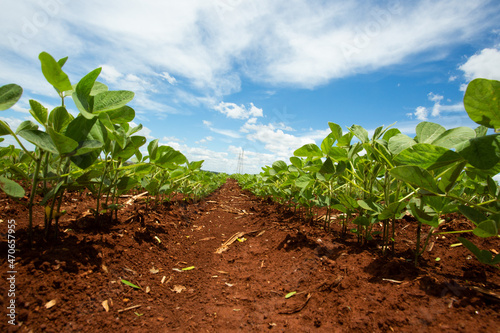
(97, 149)
(381, 178)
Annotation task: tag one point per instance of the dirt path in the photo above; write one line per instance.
(340, 286)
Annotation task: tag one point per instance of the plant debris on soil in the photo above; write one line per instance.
(234, 262)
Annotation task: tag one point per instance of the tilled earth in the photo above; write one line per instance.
(227, 263)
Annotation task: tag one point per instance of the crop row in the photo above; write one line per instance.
(98, 149)
(380, 178)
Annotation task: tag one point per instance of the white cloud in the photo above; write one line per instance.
(225, 132)
(19, 108)
(13, 122)
(109, 73)
(252, 160)
(296, 42)
(170, 79)
(171, 138)
(205, 139)
(275, 139)
(421, 113)
(213, 160)
(485, 64)
(232, 110)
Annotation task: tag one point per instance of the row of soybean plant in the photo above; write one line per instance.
(380, 178)
(98, 149)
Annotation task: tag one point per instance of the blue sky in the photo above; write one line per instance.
(213, 78)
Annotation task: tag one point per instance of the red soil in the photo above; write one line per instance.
(341, 286)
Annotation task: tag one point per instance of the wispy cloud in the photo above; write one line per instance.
(295, 42)
(225, 132)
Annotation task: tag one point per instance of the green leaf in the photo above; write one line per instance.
(338, 154)
(59, 119)
(169, 155)
(280, 166)
(290, 294)
(400, 142)
(348, 201)
(455, 136)
(484, 256)
(427, 132)
(426, 216)
(63, 144)
(82, 130)
(9, 95)
(130, 284)
(416, 176)
(304, 181)
(188, 268)
(111, 100)
(472, 214)
(391, 210)
(62, 61)
(327, 144)
(328, 167)
(370, 205)
(121, 115)
(133, 130)
(39, 112)
(427, 156)
(390, 133)
(97, 88)
(308, 150)
(39, 139)
(450, 176)
(153, 150)
(345, 140)
(26, 125)
(488, 228)
(53, 73)
(88, 146)
(482, 102)
(481, 131)
(336, 130)
(297, 162)
(361, 221)
(5, 128)
(195, 165)
(360, 133)
(126, 183)
(81, 96)
(133, 144)
(11, 188)
(482, 152)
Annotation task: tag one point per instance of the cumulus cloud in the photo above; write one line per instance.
(421, 113)
(275, 139)
(485, 64)
(232, 110)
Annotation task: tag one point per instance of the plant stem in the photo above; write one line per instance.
(34, 185)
